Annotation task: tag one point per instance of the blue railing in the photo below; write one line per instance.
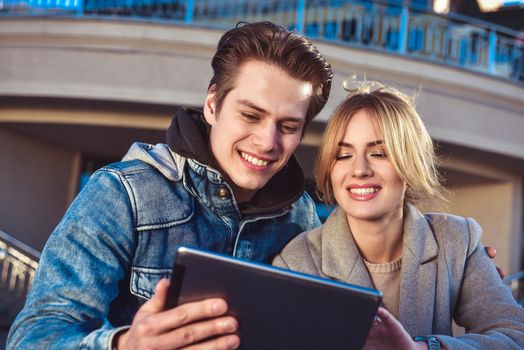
(18, 263)
(405, 30)
(516, 283)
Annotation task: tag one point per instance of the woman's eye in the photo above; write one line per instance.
(344, 156)
(378, 154)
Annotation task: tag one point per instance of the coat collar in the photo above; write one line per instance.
(419, 273)
(340, 256)
(341, 261)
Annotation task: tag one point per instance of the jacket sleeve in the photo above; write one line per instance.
(81, 266)
(486, 308)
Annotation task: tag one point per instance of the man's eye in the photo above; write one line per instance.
(249, 117)
(289, 129)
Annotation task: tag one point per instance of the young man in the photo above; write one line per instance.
(226, 181)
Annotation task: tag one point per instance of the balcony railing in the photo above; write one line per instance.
(516, 283)
(18, 263)
(405, 30)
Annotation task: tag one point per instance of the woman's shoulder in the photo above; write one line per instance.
(455, 231)
(302, 252)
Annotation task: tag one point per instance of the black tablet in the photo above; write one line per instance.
(275, 308)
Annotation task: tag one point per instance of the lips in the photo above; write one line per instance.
(364, 192)
(254, 160)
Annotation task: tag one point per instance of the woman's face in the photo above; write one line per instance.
(365, 183)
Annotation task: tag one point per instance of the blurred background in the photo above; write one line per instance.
(80, 80)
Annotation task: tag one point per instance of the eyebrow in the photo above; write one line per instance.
(369, 144)
(250, 104)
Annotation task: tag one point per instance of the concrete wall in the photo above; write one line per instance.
(37, 182)
(169, 65)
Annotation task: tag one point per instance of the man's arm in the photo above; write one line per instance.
(78, 278)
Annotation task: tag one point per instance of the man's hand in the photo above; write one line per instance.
(192, 326)
(492, 253)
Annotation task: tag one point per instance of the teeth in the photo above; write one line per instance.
(363, 191)
(253, 160)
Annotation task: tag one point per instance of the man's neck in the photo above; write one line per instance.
(242, 195)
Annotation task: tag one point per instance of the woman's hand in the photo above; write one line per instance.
(387, 333)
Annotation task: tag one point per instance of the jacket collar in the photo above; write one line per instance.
(188, 136)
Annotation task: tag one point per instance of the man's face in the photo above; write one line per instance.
(259, 126)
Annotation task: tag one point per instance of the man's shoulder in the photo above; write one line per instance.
(304, 211)
(132, 166)
(158, 201)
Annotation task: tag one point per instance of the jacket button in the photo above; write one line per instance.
(223, 193)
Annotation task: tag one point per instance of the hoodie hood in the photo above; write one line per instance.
(188, 136)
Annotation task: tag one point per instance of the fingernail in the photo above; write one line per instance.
(218, 307)
(232, 342)
(229, 325)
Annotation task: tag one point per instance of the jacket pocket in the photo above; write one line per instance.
(144, 280)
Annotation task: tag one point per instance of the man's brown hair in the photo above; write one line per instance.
(272, 44)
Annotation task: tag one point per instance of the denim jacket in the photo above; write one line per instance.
(118, 239)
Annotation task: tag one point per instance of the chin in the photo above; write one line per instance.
(364, 215)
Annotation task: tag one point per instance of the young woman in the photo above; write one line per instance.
(377, 163)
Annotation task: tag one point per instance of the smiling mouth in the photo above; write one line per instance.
(255, 161)
(363, 191)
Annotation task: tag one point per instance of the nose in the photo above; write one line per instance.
(266, 137)
(361, 167)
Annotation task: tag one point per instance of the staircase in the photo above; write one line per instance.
(18, 263)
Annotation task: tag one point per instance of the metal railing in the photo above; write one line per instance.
(399, 29)
(516, 283)
(18, 263)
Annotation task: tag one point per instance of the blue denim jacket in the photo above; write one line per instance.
(118, 239)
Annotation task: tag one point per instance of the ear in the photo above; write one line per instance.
(210, 107)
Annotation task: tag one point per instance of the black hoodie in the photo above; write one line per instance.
(188, 135)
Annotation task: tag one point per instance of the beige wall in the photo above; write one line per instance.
(36, 185)
(497, 206)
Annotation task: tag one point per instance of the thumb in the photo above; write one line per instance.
(158, 300)
(384, 315)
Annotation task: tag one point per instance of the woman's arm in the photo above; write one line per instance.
(486, 308)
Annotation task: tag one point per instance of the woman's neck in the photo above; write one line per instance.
(379, 241)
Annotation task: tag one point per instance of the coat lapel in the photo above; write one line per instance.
(340, 257)
(418, 274)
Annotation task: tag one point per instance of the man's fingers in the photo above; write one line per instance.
(501, 272)
(158, 300)
(223, 343)
(200, 331)
(492, 252)
(180, 316)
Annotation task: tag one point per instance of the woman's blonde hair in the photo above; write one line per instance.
(407, 143)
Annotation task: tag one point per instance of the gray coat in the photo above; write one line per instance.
(446, 275)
